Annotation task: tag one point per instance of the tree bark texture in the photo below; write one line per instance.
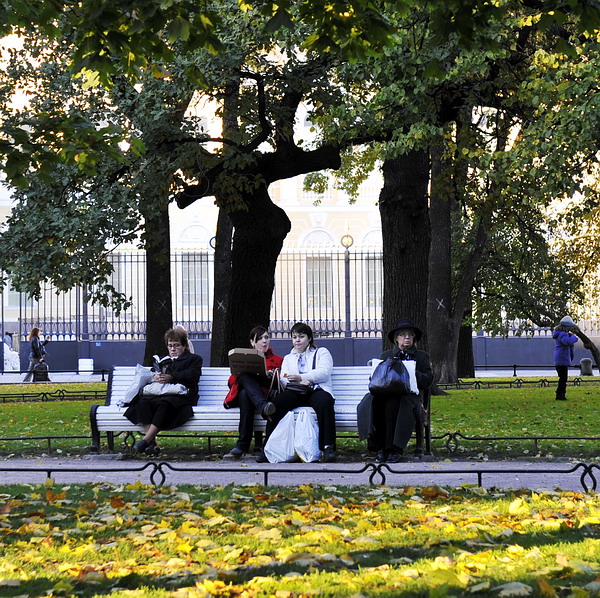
(222, 282)
(405, 230)
(159, 310)
(258, 238)
(465, 360)
(443, 345)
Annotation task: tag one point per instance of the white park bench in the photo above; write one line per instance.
(350, 384)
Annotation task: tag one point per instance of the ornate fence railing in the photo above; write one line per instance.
(338, 291)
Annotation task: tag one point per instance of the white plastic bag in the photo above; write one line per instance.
(158, 389)
(279, 448)
(142, 377)
(306, 438)
(411, 367)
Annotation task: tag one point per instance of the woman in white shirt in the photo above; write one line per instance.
(309, 366)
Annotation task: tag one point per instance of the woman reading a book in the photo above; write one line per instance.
(250, 392)
(168, 411)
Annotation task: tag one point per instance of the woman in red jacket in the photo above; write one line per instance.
(250, 392)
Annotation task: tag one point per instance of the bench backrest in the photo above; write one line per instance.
(350, 384)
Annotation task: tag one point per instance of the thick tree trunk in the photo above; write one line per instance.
(405, 230)
(159, 310)
(257, 242)
(589, 345)
(465, 361)
(222, 282)
(443, 345)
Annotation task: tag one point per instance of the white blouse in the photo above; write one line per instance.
(319, 375)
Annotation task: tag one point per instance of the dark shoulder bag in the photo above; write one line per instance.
(390, 378)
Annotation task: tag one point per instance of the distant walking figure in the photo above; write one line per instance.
(564, 339)
(37, 353)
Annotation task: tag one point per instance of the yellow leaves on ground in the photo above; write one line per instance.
(519, 507)
(239, 541)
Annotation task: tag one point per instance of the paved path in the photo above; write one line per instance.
(55, 377)
(117, 469)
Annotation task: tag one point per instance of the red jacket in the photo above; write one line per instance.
(273, 362)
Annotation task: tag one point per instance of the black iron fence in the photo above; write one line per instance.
(341, 292)
(341, 297)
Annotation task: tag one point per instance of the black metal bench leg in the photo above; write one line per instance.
(428, 437)
(258, 440)
(95, 446)
(419, 430)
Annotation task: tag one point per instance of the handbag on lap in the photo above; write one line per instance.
(390, 377)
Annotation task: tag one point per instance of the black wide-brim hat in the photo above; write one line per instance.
(403, 325)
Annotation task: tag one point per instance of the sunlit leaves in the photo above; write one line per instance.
(135, 536)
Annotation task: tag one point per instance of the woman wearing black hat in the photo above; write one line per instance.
(394, 416)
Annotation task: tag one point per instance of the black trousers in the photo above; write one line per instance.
(320, 400)
(250, 399)
(394, 419)
(563, 374)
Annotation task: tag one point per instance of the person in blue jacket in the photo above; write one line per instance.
(564, 339)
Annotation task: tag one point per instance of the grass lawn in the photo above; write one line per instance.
(487, 412)
(251, 541)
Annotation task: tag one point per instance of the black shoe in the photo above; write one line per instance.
(394, 457)
(380, 457)
(262, 458)
(561, 398)
(152, 449)
(267, 410)
(141, 446)
(328, 454)
(235, 453)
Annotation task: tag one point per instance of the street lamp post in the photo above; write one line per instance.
(347, 241)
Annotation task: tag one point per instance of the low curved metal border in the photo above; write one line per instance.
(266, 471)
(586, 472)
(158, 471)
(50, 470)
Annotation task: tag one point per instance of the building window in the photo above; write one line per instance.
(15, 299)
(372, 279)
(194, 280)
(319, 282)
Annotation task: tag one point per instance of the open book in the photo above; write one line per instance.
(163, 365)
(247, 361)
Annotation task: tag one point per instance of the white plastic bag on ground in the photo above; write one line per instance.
(306, 435)
(280, 445)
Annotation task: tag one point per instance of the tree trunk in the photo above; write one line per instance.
(159, 310)
(589, 345)
(222, 283)
(405, 230)
(443, 345)
(465, 362)
(257, 242)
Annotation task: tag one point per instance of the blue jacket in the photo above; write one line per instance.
(563, 347)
